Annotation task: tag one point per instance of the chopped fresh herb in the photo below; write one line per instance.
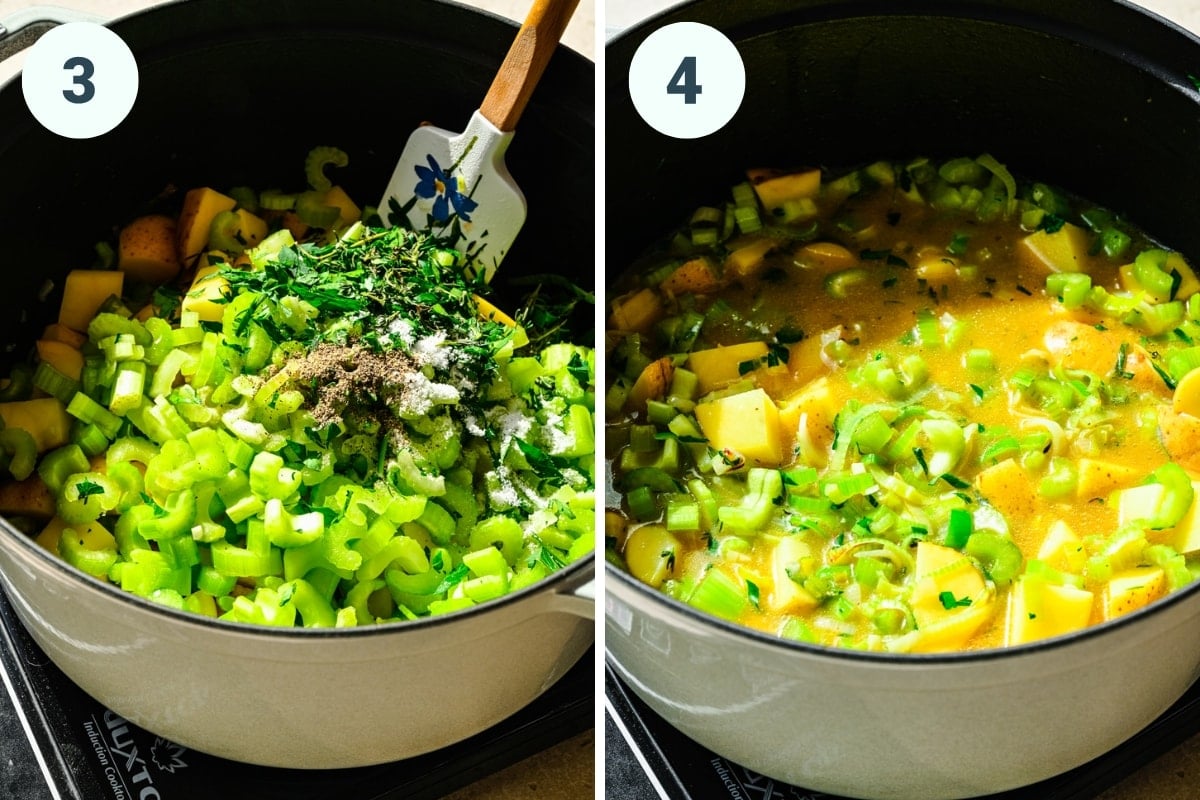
(454, 578)
(86, 489)
(789, 335)
(874, 255)
(950, 602)
(954, 480)
(1052, 223)
(919, 454)
(753, 593)
(1166, 377)
(1023, 290)
(977, 389)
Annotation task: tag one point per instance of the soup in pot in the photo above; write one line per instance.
(911, 407)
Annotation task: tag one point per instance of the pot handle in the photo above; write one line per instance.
(578, 595)
(22, 27)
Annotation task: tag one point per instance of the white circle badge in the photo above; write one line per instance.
(80, 80)
(687, 80)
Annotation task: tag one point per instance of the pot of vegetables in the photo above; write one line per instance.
(902, 478)
(355, 514)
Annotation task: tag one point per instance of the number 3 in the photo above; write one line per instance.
(86, 89)
(684, 81)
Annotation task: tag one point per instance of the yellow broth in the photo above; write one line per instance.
(897, 428)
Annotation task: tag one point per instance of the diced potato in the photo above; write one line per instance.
(698, 275)
(62, 357)
(251, 229)
(1138, 502)
(58, 332)
(84, 292)
(44, 418)
(1132, 590)
(200, 205)
(28, 498)
(747, 423)
(825, 257)
(636, 311)
(147, 249)
(1097, 478)
(786, 594)
(748, 260)
(1142, 502)
(937, 267)
(1040, 610)
(1065, 250)
(944, 571)
(49, 536)
(1008, 487)
(1186, 399)
(719, 366)
(806, 419)
(650, 553)
(1062, 549)
(349, 213)
(952, 631)
(1180, 435)
(206, 291)
(776, 190)
(651, 384)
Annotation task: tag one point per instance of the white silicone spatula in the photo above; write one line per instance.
(456, 184)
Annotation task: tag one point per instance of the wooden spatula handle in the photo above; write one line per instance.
(526, 61)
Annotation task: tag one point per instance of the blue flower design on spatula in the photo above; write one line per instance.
(438, 183)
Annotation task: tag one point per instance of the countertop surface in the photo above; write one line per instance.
(566, 771)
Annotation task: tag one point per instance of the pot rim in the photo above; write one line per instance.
(667, 606)
(564, 581)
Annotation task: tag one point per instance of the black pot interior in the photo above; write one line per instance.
(1096, 97)
(237, 93)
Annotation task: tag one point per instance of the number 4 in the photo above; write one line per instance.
(684, 81)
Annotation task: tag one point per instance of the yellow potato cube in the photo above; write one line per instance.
(748, 260)
(62, 357)
(774, 191)
(650, 553)
(1098, 478)
(84, 292)
(720, 366)
(747, 423)
(786, 594)
(1062, 549)
(1040, 610)
(636, 311)
(207, 290)
(806, 419)
(348, 212)
(200, 205)
(1132, 590)
(44, 418)
(251, 229)
(1065, 250)
(950, 601)
(147, 250)
(1142, 502)
(697, 275)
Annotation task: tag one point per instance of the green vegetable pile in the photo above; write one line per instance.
(354, 442)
